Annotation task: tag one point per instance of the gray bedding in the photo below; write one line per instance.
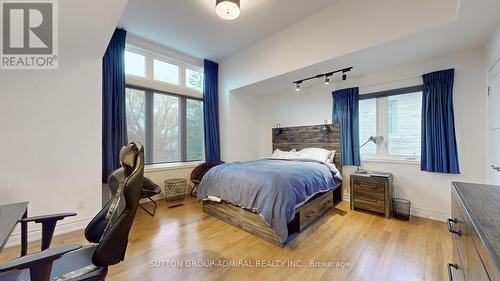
(271, 187)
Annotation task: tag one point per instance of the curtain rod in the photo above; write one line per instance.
(388, 82)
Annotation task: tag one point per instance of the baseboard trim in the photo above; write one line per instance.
(429, 214)
(417, 211)
(346, 197)
(35, 230)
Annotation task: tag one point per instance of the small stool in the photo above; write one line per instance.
(175, 191)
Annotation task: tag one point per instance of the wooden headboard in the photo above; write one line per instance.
(309, 136)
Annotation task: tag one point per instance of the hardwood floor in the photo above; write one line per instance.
(369, 247)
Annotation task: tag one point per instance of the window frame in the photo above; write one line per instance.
(167, 61)
(382, 149)
(142, 53)
(194, 69)
(149, 124)
(149, 82)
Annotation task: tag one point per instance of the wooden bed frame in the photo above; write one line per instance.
(286, 139)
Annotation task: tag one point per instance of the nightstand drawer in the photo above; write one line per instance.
(367, 202)
(369, 194)
(369, 186)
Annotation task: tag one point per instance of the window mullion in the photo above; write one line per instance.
(382, 129)
(149, 126)
(149, 67)
(183, 128)
(182, 75)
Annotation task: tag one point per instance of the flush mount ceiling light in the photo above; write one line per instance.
(228, 9)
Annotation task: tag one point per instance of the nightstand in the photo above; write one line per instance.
(371, 193)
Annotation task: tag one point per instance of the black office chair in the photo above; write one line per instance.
(109, 230)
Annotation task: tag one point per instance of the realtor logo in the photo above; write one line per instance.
(29, 34)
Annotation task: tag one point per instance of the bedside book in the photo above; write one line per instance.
(373, 174)
(380, 174)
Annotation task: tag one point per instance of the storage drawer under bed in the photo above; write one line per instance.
(314, 209)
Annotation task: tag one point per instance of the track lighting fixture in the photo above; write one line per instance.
(297, 86)
(323, 75)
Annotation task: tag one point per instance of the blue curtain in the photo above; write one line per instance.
(114, 121)
(345, 112)
(439, 145)
(211, 111)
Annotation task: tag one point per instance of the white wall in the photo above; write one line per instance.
(429, 192)
(493, 47)
(50, 122)
(493, 64)
(51, 139)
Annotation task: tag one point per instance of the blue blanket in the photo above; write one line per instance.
(271, 187)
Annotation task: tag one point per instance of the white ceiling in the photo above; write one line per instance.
(192, 26)
(475, 23)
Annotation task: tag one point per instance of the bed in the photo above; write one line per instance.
(277, 199)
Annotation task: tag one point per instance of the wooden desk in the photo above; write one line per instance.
(10, 215)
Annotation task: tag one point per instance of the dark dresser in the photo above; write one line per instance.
(371, 193)
(475, 227)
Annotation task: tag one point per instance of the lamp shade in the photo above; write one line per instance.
(228, 9)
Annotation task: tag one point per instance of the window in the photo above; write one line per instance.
(194, 79)
(135, 107)
(166, 72)
(404, 123)
(194, 129)
(170, 126)
(135, 64)
(396, 116)
(166, 137)
(367, 125)
(167, 120)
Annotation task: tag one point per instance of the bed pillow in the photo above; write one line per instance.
(318, 154)
(331, 159)
(280, 154)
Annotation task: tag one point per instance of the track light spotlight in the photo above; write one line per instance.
(344, 76)
(297, 87)
(327, 80)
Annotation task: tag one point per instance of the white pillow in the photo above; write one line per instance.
(280, 154)
(332, 157)
(318, 154)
